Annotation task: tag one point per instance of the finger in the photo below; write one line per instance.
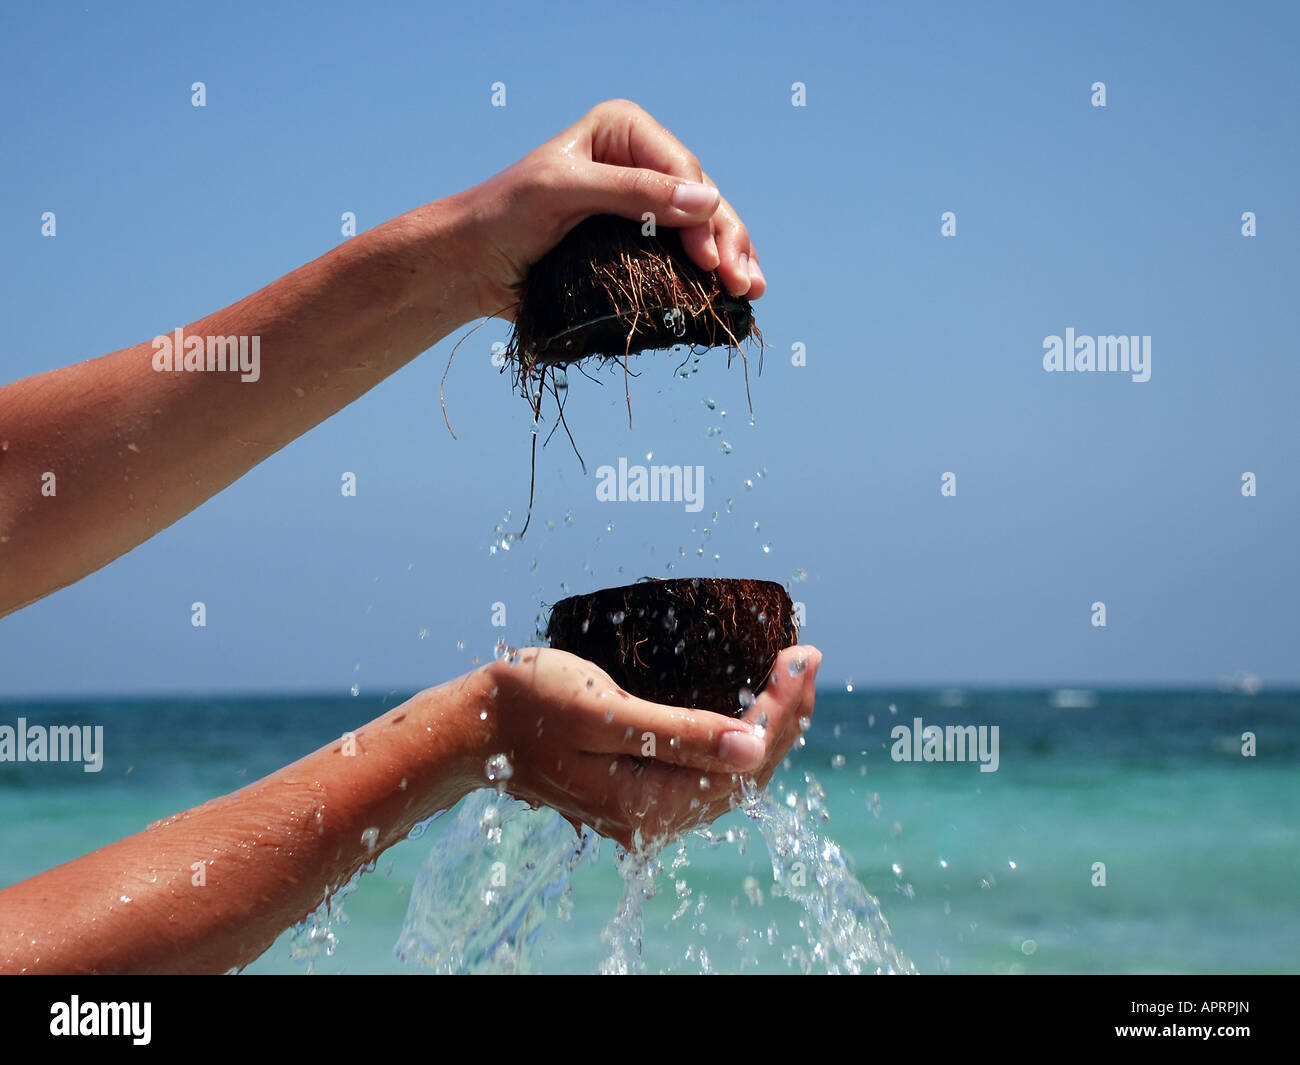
(698, 242)
(600, 188)
(757, 282)
(698, 739)
(789, 692)
(733, 249)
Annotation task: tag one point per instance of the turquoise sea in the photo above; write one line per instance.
(975, 872)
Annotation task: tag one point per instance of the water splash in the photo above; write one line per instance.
(316, 937)
(481, 899)
(847, 932)
(623, 935)
(498, 881)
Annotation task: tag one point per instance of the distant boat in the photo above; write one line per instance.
(1242, 684)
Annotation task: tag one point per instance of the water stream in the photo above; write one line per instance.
(497, 888)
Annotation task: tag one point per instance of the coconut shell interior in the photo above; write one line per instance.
(608, 291)
(695, 642)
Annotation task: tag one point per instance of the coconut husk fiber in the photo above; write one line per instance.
(693, 642)
(607, 292)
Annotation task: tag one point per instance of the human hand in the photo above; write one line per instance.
(577, 743)
(618, 160)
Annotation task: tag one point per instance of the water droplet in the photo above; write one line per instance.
(617, 617)
(838, 761)
(498, 768)
(356, 689)
(747, 698)
(423, 634)
(799, 665)
(370, 838)
(125, 898)
(675, 743)
(805, 723)
(708, 402)
(767, 548)
(725, 448)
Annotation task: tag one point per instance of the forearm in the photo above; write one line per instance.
(131, 448)
(211, 889)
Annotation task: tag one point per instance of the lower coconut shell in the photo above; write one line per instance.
(701, 642)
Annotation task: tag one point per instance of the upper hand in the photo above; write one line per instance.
(618, 160)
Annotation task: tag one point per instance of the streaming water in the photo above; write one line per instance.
(481, 898)
(494, 888)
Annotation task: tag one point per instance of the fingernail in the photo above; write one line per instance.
(742, 751)
(755, 274)
(744, 273)
(690, 197)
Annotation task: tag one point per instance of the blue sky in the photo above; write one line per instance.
(924, 353)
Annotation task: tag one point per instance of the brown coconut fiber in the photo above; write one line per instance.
(699, 642)
(606, 291)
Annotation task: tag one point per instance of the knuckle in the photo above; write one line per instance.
(616, 107)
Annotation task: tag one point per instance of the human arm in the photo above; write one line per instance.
(134, 449)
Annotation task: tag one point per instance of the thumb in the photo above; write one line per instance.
(631, 192)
